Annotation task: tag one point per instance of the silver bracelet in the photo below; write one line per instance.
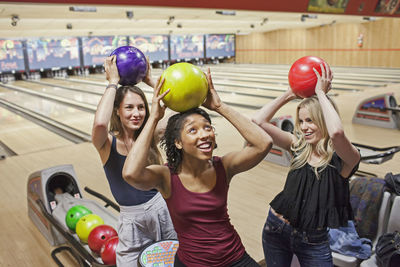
(113, 85)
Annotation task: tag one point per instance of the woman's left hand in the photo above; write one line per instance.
(324, 82)
(157, 110)
(212, 102)
(148, 79)
(110, 67)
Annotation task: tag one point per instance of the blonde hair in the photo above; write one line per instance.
(302, 150)
(116, 126)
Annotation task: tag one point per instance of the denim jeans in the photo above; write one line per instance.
(281, 241)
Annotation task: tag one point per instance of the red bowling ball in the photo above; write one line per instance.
(302, 78)
(99, 235)
(108, 251)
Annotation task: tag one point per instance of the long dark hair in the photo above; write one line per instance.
(173, 133)
(116, 125)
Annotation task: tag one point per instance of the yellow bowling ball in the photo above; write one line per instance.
(86, 224)
(188, 86)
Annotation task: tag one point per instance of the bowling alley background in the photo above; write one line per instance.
(357, 34)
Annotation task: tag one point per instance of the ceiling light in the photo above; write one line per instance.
(265, 20)
(170, 20)
(226, 13)
(83, 8)
(14, 20)
(369, 18)
(129, 14)
(308, 16)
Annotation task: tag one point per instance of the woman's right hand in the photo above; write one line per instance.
(158, 111)
(289, 94)
(324, 81)
(110, 66)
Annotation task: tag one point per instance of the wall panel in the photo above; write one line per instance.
(336, 43)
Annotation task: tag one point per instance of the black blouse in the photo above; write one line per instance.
(311, 203)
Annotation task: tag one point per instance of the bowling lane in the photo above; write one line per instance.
(352, 73)
(70, 116)
(254, 97)
(271, 83)
(88, 98)
(90, 88)
(23, 136)
(338, 82)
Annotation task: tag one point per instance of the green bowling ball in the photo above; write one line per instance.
(74, 214)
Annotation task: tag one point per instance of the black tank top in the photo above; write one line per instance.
(124, 193)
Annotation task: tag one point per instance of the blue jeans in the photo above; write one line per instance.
(281, 241)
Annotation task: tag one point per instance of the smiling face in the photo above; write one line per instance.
(132, 111)
(309, 128)
(197, 137)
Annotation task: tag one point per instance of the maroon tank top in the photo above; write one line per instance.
(206, 236)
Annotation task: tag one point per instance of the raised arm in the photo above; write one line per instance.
(343, 147)
(148, 79)
(258, 142)
(262, 118)
(135, 170)
(105, 106)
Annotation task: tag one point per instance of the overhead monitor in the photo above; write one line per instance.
(97, 48)
(11, 56)
(185, 47)
(155, 47)
(220, 45)
(53, 53)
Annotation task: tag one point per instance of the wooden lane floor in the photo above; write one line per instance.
(23, 136)
(238, 97)
(73, 117)
(84, 96)
(22, 244)
(266, 82)
(358, 73)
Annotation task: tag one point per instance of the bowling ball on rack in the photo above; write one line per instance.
(108, 251)
(86, 224)
(74, 214)
(131, 64)
(302, 78)
(188, 85)
(99, 235)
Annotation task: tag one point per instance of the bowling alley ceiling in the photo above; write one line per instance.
(19, 20)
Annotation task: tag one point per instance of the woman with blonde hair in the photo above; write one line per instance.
(316, 192)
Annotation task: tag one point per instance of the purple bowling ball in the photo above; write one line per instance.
(131, 64)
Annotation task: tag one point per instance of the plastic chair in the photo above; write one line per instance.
(392, 225)
(348, 261)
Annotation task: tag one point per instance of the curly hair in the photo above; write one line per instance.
(173, 133)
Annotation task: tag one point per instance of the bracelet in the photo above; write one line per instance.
(112, 85)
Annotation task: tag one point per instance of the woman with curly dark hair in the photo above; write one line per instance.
(195, 183)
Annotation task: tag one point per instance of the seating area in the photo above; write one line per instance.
(388, 221)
